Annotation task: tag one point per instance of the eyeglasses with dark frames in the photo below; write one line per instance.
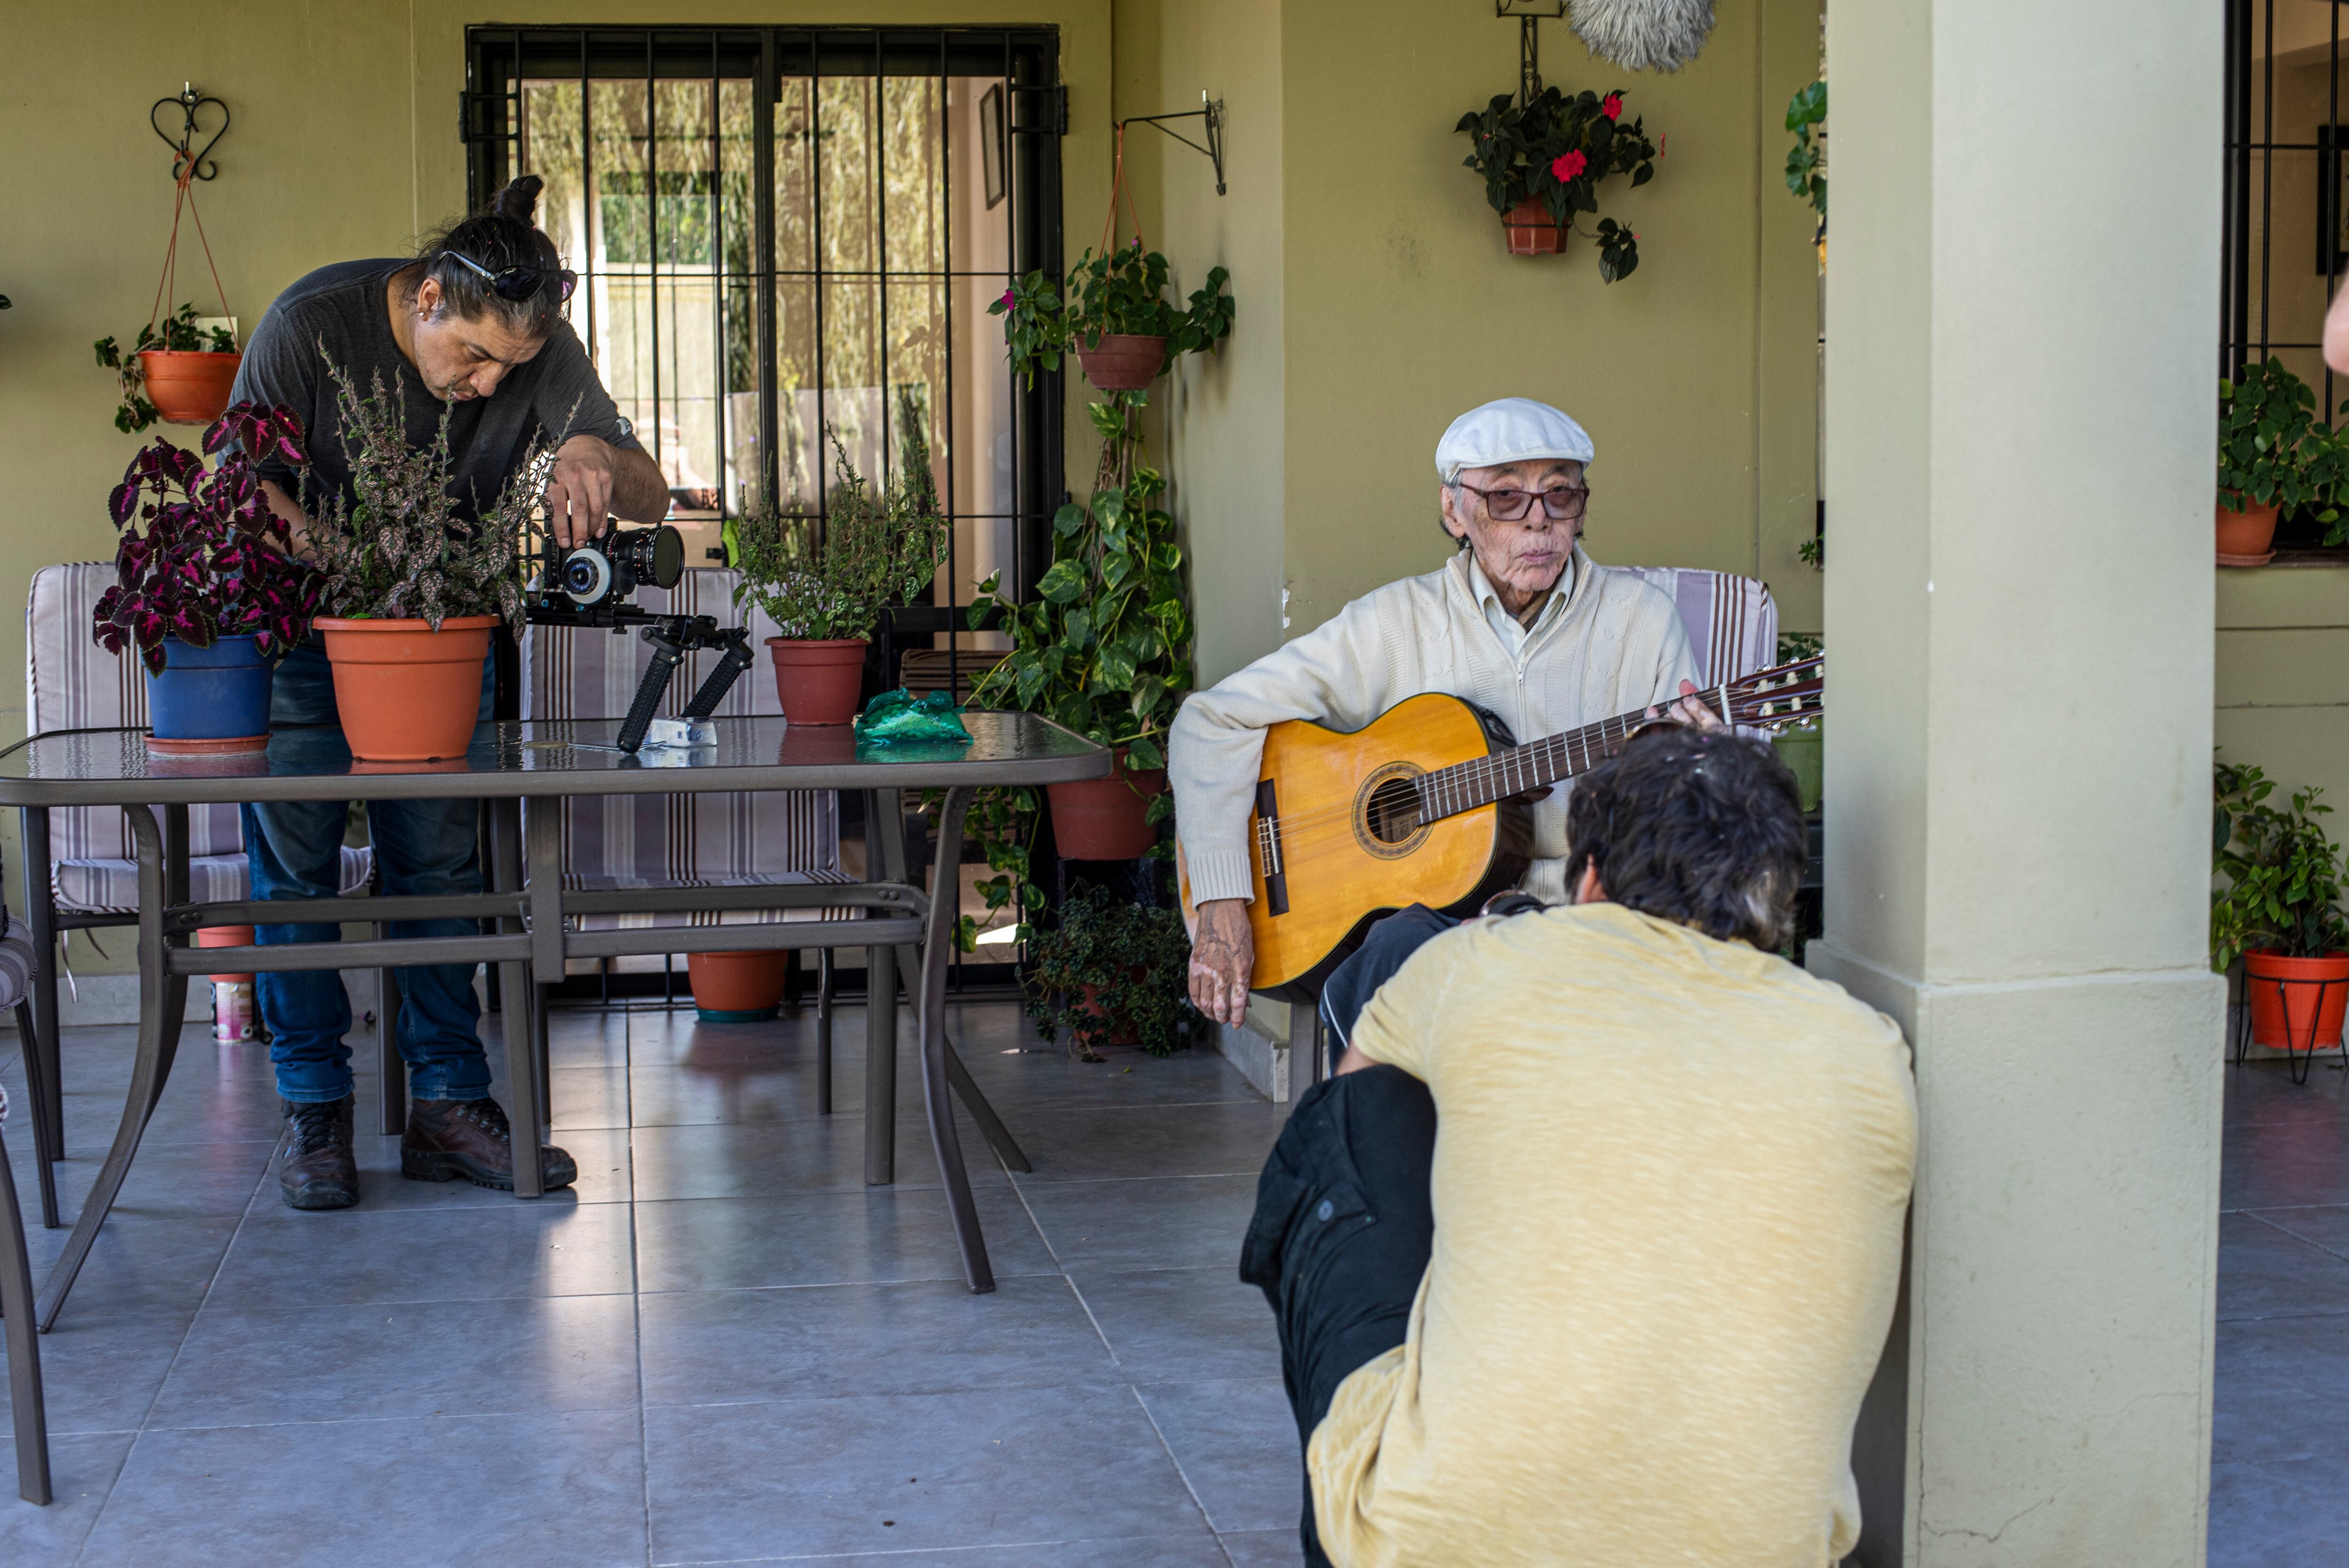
(519, 283)
(1563, 504)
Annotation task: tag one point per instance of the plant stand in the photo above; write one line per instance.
(2292, 1050)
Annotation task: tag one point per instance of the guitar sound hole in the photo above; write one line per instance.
(1395, 811)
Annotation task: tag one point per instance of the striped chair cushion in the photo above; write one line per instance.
(112, 887)
(1732, 621)
(71, 683)
(18, 962)
(676, 840)
(700, 917)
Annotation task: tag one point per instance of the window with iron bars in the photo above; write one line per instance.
(787, 240)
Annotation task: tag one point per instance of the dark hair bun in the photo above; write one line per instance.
(519, 200)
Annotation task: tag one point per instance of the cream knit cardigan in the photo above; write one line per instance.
(1620, 645)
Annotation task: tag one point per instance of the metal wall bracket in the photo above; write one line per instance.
(184, 153)
(1212, 111)
(1529, 14)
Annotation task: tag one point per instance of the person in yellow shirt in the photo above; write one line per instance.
(1587, 1254)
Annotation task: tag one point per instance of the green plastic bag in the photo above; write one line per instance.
(900, 716)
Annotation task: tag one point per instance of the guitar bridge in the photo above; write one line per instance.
(1267, 847)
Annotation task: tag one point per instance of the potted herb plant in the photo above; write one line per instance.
(2280, 910)
(825, 594)
(2274, 454)
(1123, 333)
(1104, 648)
(1542, 161)
(206, 587)
(1112, 973)
(179, 375)
(415, 588)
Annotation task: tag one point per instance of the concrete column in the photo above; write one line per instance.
(2022, 293)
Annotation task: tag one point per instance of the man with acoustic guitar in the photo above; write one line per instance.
(1521, 623)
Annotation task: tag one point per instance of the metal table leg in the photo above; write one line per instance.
(36, 1091)
(41, 916)
(823, 1032)
(31, 1421)
(390, 1067)
(162, 999)
(879, 1065)
(518, 991)
(937, 956)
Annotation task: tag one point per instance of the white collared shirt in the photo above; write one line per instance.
(1504, 625)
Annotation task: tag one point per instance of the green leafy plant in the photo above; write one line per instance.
(1555, 149)
(1119, 291)
(180, 334)
(2282, 872)
(876, 550)
(397, 547)
(1112, 969)
(2273, 450)
(1807, 161)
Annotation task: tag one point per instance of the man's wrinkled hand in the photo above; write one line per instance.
(1690, 710)
(579, 490)
(1223, 956)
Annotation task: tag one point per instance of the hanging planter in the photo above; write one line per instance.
(1124, 361)
(178, 370)
(190, 388)
(1542, 161)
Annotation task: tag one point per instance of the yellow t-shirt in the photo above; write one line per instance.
(1670, 1175)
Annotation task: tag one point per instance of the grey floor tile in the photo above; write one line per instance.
(1169, 1325)
(2267, 1272)
(2286, 1515)
(602, 1154)
(177, 1181)
(2283, 1389)
(1190, 1551)
(576, 1038)
(764, 1158)
(2320, 1225)
(1237, 1442)
(997, 1467)
(563, 1490)
(358, 1256)
(141, 1264)
(679, 1038)
(2283, 1164)
(1266, 1548)
(918, 1337)
(101, 1374)
(82, 1470)
(2263, 1091)
(254, 1367)
(1190, 1222)
(1051, 1079)
(1219, 1138)
(594, 1097)
(868, 1235)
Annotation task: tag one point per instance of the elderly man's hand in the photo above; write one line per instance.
(1223, 956)
(1690, 709)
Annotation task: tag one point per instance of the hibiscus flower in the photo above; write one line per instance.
(1611, 105)
(1566, 166)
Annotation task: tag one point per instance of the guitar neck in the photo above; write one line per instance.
(1535, 765)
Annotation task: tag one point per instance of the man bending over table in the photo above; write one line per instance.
(1588, 1252)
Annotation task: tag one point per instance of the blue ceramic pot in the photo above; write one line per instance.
(220, 693)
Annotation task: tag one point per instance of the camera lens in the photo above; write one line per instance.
(653, 555)
(586, 576)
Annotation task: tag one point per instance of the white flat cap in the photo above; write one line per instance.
(1509, 430)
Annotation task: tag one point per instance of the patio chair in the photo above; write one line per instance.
(18, 963)
(80, 874)
(1732, 621)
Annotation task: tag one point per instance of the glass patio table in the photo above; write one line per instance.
(526, 930)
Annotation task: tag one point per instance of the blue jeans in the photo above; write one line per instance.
(423, 848)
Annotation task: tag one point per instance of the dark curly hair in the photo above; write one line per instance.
(1701, 826)
(503, 235)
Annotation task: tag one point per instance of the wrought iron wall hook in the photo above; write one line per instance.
(1529, 15)
(184, 153)
(1209, 110)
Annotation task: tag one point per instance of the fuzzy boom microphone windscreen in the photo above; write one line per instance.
(1643, 34)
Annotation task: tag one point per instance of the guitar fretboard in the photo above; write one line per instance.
(1465, 786)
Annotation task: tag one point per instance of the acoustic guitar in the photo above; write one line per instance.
(1430, 804)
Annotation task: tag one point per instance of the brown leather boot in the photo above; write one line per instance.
(319, 1172)
(447, 1138)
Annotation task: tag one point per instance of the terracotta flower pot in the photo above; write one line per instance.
(2290, 1014)
(407, 693)
(227, 936)
(1106, 818)
(1123, 1029)
(737, 987)
(2246, 537)
(818, 679)
(189, 389)
(1533, 232)
(1124, 361)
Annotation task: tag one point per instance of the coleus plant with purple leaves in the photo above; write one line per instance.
(202, 556)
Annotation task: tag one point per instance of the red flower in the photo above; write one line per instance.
(1611, 105)
(1006, 301)
(1566, 166)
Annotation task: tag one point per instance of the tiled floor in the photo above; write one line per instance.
(720, 1348)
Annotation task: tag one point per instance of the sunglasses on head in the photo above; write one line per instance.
(519, 283)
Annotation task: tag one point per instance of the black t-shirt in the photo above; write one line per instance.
(340, 312)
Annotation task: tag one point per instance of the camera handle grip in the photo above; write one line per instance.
(720, 679)
(666, 654)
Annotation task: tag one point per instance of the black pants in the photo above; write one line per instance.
(1341, 1235)
(1351, 985)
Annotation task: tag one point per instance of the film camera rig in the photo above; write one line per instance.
(589, 586)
